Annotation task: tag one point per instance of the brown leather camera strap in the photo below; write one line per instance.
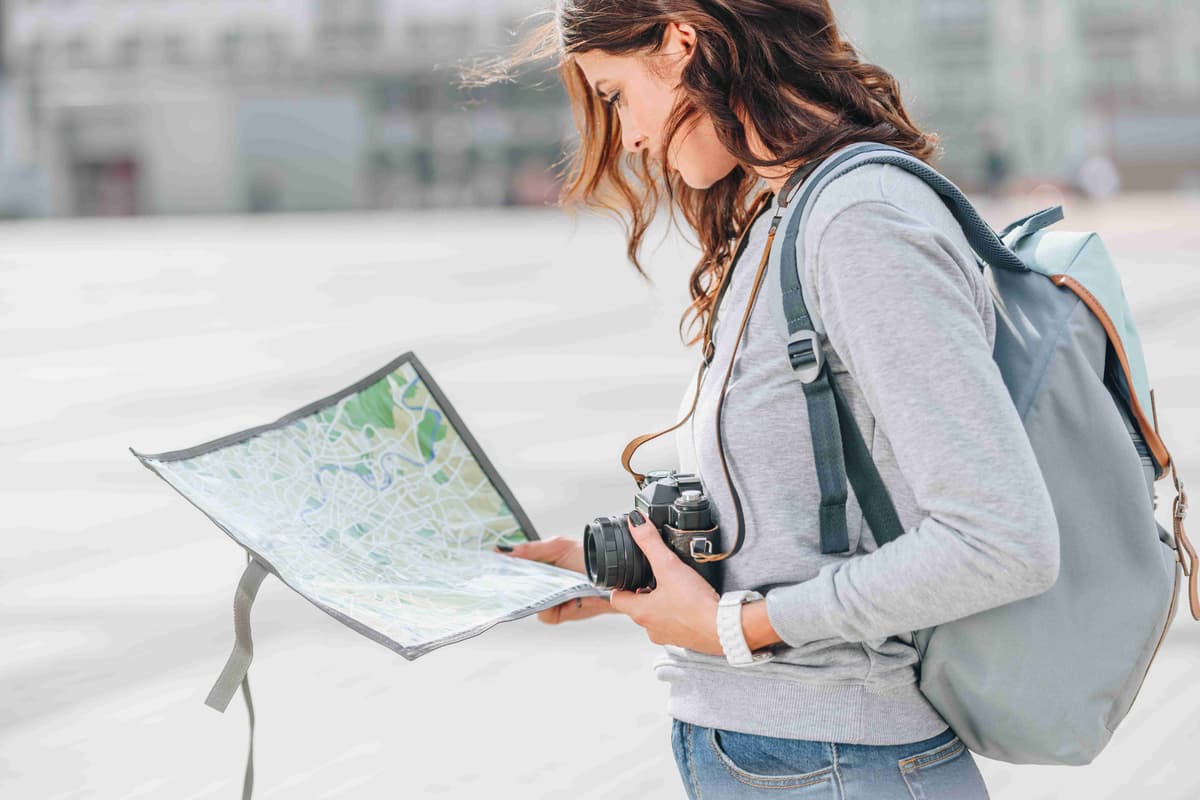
(762, 268)
(755, 210)
(627, 454)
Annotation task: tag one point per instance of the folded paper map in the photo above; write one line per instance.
(378, 506)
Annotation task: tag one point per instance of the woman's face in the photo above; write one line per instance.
(643, 101)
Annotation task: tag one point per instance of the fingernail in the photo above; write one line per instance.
(506, 548)
(636, 517)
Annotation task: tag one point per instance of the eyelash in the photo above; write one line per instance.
(612, 99)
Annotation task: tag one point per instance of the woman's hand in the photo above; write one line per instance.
(568, 554)
(682, 608)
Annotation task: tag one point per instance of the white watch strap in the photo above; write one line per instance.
(730, 632)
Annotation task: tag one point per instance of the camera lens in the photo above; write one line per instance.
(612, 558)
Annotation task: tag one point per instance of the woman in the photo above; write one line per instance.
(756, 92)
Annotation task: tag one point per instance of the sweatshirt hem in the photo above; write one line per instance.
(847, 713)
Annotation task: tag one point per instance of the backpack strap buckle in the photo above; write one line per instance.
(805, 355)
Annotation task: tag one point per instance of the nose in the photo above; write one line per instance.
(634, 143)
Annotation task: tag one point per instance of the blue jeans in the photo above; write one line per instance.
(717, 764)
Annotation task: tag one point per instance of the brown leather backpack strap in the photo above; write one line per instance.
(1185, 554)
(1182, 545)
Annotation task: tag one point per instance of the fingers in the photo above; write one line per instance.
(539, 549)
(530, 550)
(579, 608)
(629, 603)
(649, 540)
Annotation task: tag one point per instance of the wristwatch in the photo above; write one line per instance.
(729, 629)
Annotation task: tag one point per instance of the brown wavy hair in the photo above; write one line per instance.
(756, 58)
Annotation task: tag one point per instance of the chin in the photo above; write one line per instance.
(688, 177)
(702, 179)
(698, 184)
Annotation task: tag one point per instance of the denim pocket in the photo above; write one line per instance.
(771, 762)
(945, 770)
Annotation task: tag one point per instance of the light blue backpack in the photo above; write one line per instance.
(1047, 679)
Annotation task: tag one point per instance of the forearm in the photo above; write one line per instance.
(932, 574)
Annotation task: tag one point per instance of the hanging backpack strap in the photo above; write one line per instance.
(1031, 223)
(806, 358)
(234, 673)
(869, 490)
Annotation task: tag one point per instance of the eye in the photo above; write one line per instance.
(612, 99)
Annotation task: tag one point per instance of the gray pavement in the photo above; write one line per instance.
(116, 594)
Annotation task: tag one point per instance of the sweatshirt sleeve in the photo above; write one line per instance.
(899, 311)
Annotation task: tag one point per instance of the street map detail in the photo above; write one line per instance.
(378, 506)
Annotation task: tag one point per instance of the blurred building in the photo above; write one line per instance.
(1046, 83)
(181, 106)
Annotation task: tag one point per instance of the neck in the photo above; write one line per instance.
(776, 176)
(778, 183)
(775, 181)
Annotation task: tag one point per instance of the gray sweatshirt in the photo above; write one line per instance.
(910, 328)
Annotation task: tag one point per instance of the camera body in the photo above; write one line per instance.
(675, 502)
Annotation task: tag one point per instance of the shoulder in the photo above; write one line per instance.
(860, 185)
(881, 228)
(878, 208)
(867, 191)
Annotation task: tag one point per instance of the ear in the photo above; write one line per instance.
(686, 35)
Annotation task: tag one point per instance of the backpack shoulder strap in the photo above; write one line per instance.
(833, 433)
(838, 446)
(984, 241)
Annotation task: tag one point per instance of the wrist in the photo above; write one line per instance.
(756, 626)
(738, 631)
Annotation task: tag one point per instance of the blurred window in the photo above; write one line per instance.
(349, 25)
(175, 50)
(231, 47)
(78, 52)
(129, 51)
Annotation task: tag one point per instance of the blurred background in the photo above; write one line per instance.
(115, 107)
(219, 211)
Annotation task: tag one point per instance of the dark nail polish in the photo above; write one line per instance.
(636, 517)
(507, 548)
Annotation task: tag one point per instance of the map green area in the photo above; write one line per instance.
(377, 505)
